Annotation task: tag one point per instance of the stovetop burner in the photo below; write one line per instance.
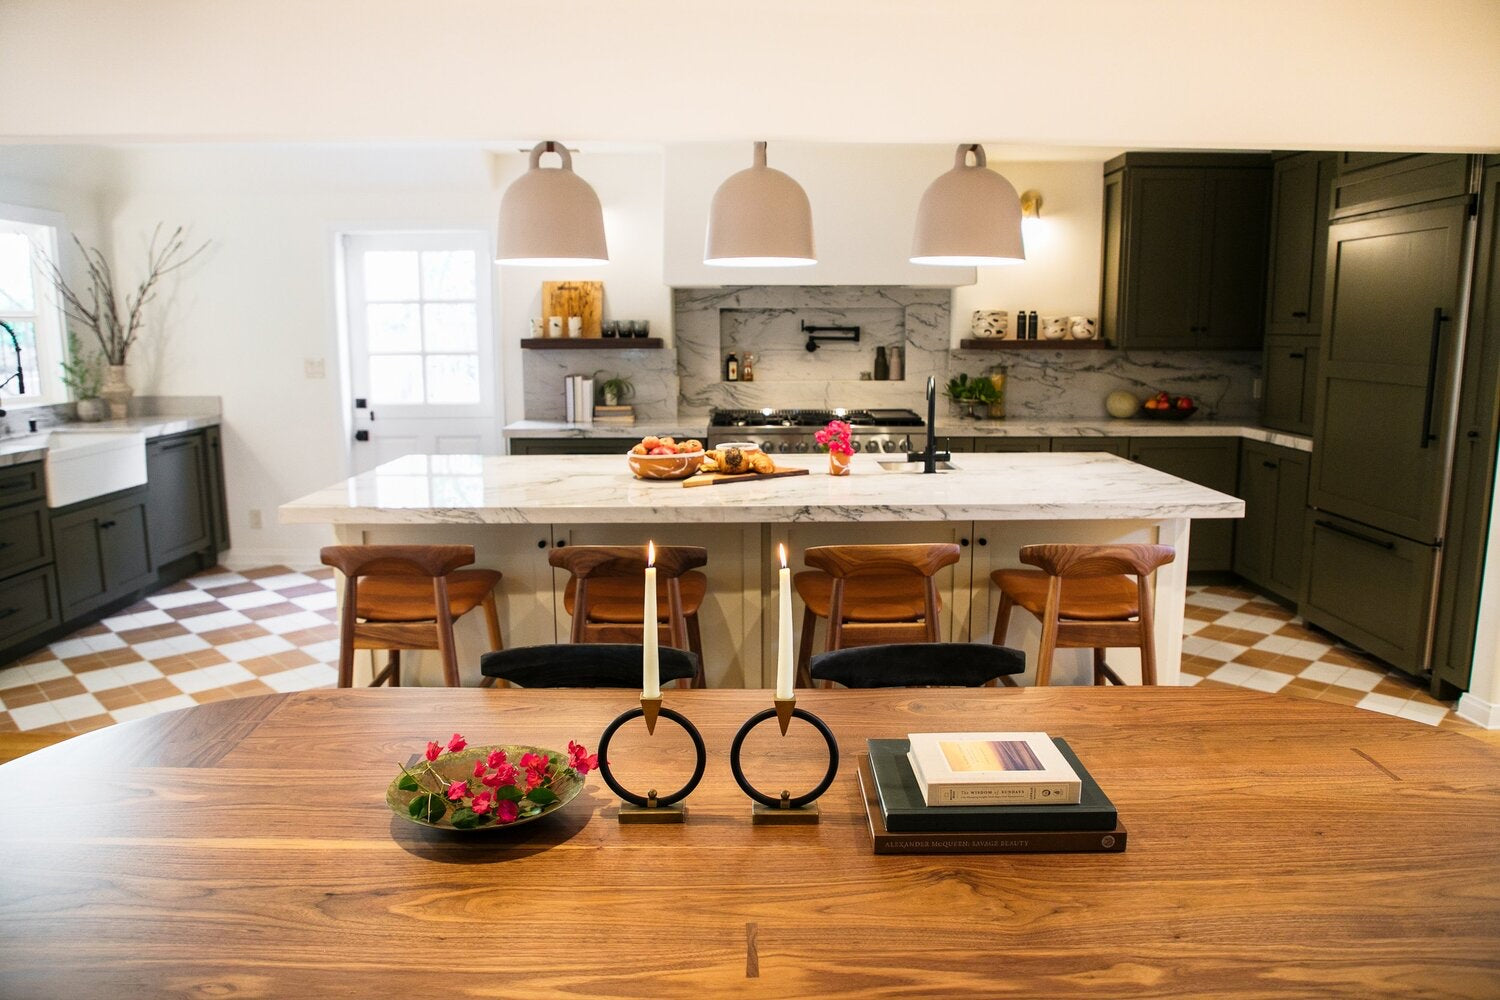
(813, 418)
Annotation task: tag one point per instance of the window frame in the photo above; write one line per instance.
(43, 229)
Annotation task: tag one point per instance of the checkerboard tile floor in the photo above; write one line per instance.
(223, 634)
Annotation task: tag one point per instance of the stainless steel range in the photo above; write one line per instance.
(791, 431)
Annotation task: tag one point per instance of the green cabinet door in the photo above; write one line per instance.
(1111, 445)
(1291, 517)
(179, 491)
(102, 552)
(1371, 182)
(1164, 252)
(1003, 444)
(1231, 294)
(1211, 462)
(1255, 535)
(1290, 384)
(1387, 351)
(1301, 188)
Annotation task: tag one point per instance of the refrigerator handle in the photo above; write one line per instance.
(1432, 364)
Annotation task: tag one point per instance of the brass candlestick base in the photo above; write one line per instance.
(783, 814)
(650, 708)
(652, 811)
(784, 709)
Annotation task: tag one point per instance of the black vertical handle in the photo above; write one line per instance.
(1432, 364)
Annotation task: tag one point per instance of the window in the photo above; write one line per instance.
(29, 306)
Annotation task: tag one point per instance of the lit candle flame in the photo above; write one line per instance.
(782, 547)
(651, 554)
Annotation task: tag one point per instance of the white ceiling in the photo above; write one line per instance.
(1035, 78)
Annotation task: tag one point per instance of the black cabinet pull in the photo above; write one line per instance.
(19, 484)
(1299, 315)
(175, 445)
(984, 541)
(1340, 529)
(1297, 355)
(8, 612)
(106, 525)
(1270, 464)
(1473, 435)
(964, 542)
(541, 543)
(1432, 363)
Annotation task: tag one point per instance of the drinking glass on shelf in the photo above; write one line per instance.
(610, 329)
(644, 330)
(631, 330)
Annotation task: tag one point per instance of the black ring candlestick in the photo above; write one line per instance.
(651, 808)
(785, 809)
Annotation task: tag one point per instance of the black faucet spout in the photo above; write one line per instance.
(929, 456)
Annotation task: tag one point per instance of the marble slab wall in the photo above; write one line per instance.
(653, 373)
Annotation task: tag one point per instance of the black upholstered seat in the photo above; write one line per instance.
(583, 665)
(921, 664)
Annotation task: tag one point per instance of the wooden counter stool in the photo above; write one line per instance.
(591, 665)
(607, 589)
(406, 597)
(871, 595)
(1086, 596)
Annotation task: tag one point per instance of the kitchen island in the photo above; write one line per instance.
(513, 509)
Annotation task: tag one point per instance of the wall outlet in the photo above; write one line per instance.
(1256, 388)
(314, 368)
(255, 518)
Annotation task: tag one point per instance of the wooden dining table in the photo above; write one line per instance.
(244, 848)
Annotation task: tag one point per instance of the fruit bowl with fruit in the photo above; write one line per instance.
(665, 458)
(1165, 406)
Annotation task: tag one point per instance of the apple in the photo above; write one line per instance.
(1185, 402)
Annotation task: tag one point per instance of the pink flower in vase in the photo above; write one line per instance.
(835, 437)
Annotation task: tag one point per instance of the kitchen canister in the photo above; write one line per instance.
(1082, 327)
(1055, 328)
(989, 323)
(575, 326)
(554, 326)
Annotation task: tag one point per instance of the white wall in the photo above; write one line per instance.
(1334, 74)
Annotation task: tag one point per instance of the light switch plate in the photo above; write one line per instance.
(314, 368)
(1256, 388)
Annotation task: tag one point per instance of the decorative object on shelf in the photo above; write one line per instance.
(1165, 406)
(969, 216)
(988, 323)
(80, 373)
(759, 217)
(731, 368)
(563, 300)
(836, 438)
(554, 326)
(1056, 327)
(613, 390)
(974, 396)
(882, 365)
(747, 368)
(515, 784)
(1082, 328)
(1031, 325)
(610, 329)
(550, 216)
(898, 364)
(575, 326)
(997, 405)
(538, 327)
(640, 328)
(663, 458)
(115, 321)
(1121, 405)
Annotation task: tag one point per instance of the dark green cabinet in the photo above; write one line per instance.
(1471, 496)
(1389, 329)
(179, 497)
(28, 606)
(1112, 445)
(1211, 462)
(28, 595)
(103, 551)
(1010, 444)
(1185, 250)
(218, 502)
(1268, 540)
(1290, 384)
(1301, 188)
(1371, 182)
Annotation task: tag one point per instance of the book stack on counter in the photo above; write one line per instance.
(615, 416)
(578, 399)
(984, 793)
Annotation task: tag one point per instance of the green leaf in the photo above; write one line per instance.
(542, 796)
(428, 808)
(464, 818)
(512, 792)
(408, 783)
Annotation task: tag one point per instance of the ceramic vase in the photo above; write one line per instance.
(90, 410)
(116, 392)
(838, 464)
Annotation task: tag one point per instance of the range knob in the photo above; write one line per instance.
(905, 444)
(801, 446)
(766, 447)
(855, 444)
(784, 447)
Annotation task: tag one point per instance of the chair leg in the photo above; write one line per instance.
(1002, 619)
(1100, 667)
(804, 647)
(695, 645)
(492, 621)
(391, 673)
(1049, 633)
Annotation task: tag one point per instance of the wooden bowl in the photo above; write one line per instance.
(678, 466)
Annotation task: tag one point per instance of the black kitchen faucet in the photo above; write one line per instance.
(19, 375)
(929, 456)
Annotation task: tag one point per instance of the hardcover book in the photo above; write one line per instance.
(904, 810)
(957, 769)
(887, 841)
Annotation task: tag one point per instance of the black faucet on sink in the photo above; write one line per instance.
(19, 375)
(929, 456)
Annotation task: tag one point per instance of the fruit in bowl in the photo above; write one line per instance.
(665, 458)
(1165, 406)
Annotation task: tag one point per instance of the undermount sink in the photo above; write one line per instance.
(916, 467)
(82, 465)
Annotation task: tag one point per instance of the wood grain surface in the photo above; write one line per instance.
(584, 299)
(243, 848)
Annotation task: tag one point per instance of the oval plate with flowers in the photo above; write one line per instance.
(458, 787)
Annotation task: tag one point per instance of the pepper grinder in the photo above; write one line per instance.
(1031, 322)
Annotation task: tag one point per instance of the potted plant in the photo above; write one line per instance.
(614, 390)
(80, 373)
(114, 320)
(973, 396)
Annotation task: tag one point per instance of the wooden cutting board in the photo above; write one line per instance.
(720, 478)
(574, 298)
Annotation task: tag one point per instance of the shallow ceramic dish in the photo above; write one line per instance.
(454, 766)
(678, 466)
(1173, 414)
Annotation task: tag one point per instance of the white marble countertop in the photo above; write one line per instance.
(951, 427)
(22, 448)
(599, 489)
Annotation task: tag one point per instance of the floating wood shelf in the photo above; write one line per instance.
(590, 343)
(994, 344)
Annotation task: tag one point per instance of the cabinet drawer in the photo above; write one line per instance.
(21, 483)
(28, 605)
(25, 541)
(1369, 587)
(1377, 182)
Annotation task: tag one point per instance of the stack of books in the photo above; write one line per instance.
(614, 416)
(578, 399)
(983, 793)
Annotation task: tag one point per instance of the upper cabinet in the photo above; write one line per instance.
(864, 206)
(1369, 182)
(1301, 190)
(1185, 240)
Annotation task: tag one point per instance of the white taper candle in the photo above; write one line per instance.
(784, 661)
(650, 658)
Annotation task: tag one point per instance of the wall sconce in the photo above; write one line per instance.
(1031, 204)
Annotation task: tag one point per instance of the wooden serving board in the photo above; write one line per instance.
(720, 478)
(574, 298)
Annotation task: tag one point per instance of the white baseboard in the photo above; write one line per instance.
(1478, 711)
(239, 558)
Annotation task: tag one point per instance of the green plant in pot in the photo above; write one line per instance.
(973, 396)
(81, 374)
(614, 390)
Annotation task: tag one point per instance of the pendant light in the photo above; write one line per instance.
(759, 217)
(969, 216)
(551, 216)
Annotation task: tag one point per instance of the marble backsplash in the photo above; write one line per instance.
(653, 373)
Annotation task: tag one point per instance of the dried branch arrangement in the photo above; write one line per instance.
(116, 322)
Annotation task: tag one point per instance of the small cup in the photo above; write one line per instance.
(990, 323)
(554, 326)
(644, 329)
(610, 329)
(537, 328)
(1055, 328)
(575, 326)
(1082, 327)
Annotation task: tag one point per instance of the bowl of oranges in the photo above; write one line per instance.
(1165, 406)
(665, 458)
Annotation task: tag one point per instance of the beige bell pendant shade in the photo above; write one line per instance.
(551, 216)
(760, 217)
(969, 216)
